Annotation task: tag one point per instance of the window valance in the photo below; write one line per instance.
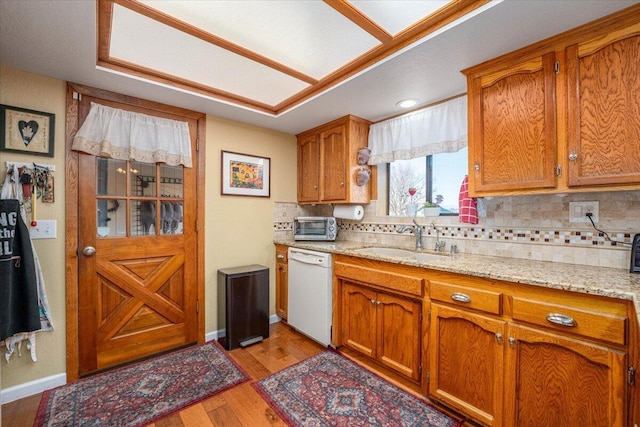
(125, 135)
(441, 128)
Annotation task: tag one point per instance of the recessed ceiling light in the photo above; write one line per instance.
(407, 103)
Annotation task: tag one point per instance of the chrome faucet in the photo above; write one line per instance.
(416, 230)
(439, 245)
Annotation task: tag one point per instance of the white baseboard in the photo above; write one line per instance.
(210, 336)
(38, 386)
(33, 387)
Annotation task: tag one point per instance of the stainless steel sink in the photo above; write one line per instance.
(402, 253)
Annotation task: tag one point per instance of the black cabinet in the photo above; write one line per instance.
(243, 305)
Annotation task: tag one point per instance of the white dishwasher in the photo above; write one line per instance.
(310, 293)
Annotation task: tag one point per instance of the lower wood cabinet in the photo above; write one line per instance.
(383, 327)
(538, 358)
(553, 380)
(282, 281)
(467, 362)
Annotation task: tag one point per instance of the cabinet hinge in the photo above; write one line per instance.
(631, 376)
(429, 315)
(197, 306)
(559, 170)
(420, 317)
(556, 67)
(197, 144)
(428, 377)
(420, 369)
(343, 332)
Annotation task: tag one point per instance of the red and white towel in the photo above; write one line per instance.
(468, 206)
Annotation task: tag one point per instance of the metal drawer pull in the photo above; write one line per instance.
(561, 319)
(280, 256)
(460, 297)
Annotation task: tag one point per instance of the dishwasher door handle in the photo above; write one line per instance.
(306, 258)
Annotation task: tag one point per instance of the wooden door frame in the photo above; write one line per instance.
(71, 210)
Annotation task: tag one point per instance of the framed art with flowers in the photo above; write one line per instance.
(245, 175)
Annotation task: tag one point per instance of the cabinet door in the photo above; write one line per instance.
(334, 163)
(359, 319)
(466, 363)
(604, 109)
(282, 282)
(309, 169)
(553, 380)
(399, 334)
(512, 140)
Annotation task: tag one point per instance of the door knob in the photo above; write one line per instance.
(89, 251)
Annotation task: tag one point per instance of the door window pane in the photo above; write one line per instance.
(143, 179)
(171, 217)
(143, 217)
(171, 181)
(111, 177)
(111, 217)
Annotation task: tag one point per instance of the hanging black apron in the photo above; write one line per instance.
(18, 286)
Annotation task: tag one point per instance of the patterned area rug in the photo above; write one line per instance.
(142, 392)
(330, 390)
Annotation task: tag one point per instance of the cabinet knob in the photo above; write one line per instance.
(373, 301)
(315, 187)
(499, 337)
(477, 166)
(512, 341)
(573, 156)
(460, 297)
(342, 184)
(280, 256)
(561, 319)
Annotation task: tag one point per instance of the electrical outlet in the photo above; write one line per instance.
(578, 211)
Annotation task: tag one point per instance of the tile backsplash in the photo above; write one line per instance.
(533, 227)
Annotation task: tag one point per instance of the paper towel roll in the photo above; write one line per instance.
(353, 212)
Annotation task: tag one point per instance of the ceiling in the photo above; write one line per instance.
(284, 65)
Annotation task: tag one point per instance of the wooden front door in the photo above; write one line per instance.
(137, 255)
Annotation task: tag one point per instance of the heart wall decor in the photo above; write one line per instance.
(27, 130)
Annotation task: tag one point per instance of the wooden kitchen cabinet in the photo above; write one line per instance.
(378, 312)
(282, 281)
(604, 109)
(556, 380)
(513, 129)
(511, 355)
(383, 326)
(560, 115)
(327, 162)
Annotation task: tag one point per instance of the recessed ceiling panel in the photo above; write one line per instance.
(395, 16)
(145, 42)
(308, 36)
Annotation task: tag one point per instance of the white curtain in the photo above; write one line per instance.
(125, 135)
(438, 129)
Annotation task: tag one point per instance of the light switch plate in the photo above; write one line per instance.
(44, 229)
(578, 211)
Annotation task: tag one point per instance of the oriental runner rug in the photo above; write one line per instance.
(330, 390)
(142, 392)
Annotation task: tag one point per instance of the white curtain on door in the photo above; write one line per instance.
(125, 135)
(441, 128)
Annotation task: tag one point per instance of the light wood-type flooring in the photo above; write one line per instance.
(238, 406)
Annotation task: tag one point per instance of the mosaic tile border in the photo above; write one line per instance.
(495, 234)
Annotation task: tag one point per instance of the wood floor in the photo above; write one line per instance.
(239, 406)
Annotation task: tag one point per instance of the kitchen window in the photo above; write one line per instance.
(435, 178)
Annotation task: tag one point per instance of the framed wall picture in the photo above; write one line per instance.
(26, 131)
(245, 175)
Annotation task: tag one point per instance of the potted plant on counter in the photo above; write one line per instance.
(432, 209)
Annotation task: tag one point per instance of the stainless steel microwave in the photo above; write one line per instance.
(315, 228)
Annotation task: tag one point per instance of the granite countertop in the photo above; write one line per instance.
(608, 282)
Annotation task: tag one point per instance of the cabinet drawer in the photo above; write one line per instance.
(610, 327)
(477, 299)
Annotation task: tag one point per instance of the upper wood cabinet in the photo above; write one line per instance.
(603, 77)
(561, 115)
(327, 162)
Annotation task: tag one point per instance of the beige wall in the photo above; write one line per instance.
(238, 230)
(25, 90)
